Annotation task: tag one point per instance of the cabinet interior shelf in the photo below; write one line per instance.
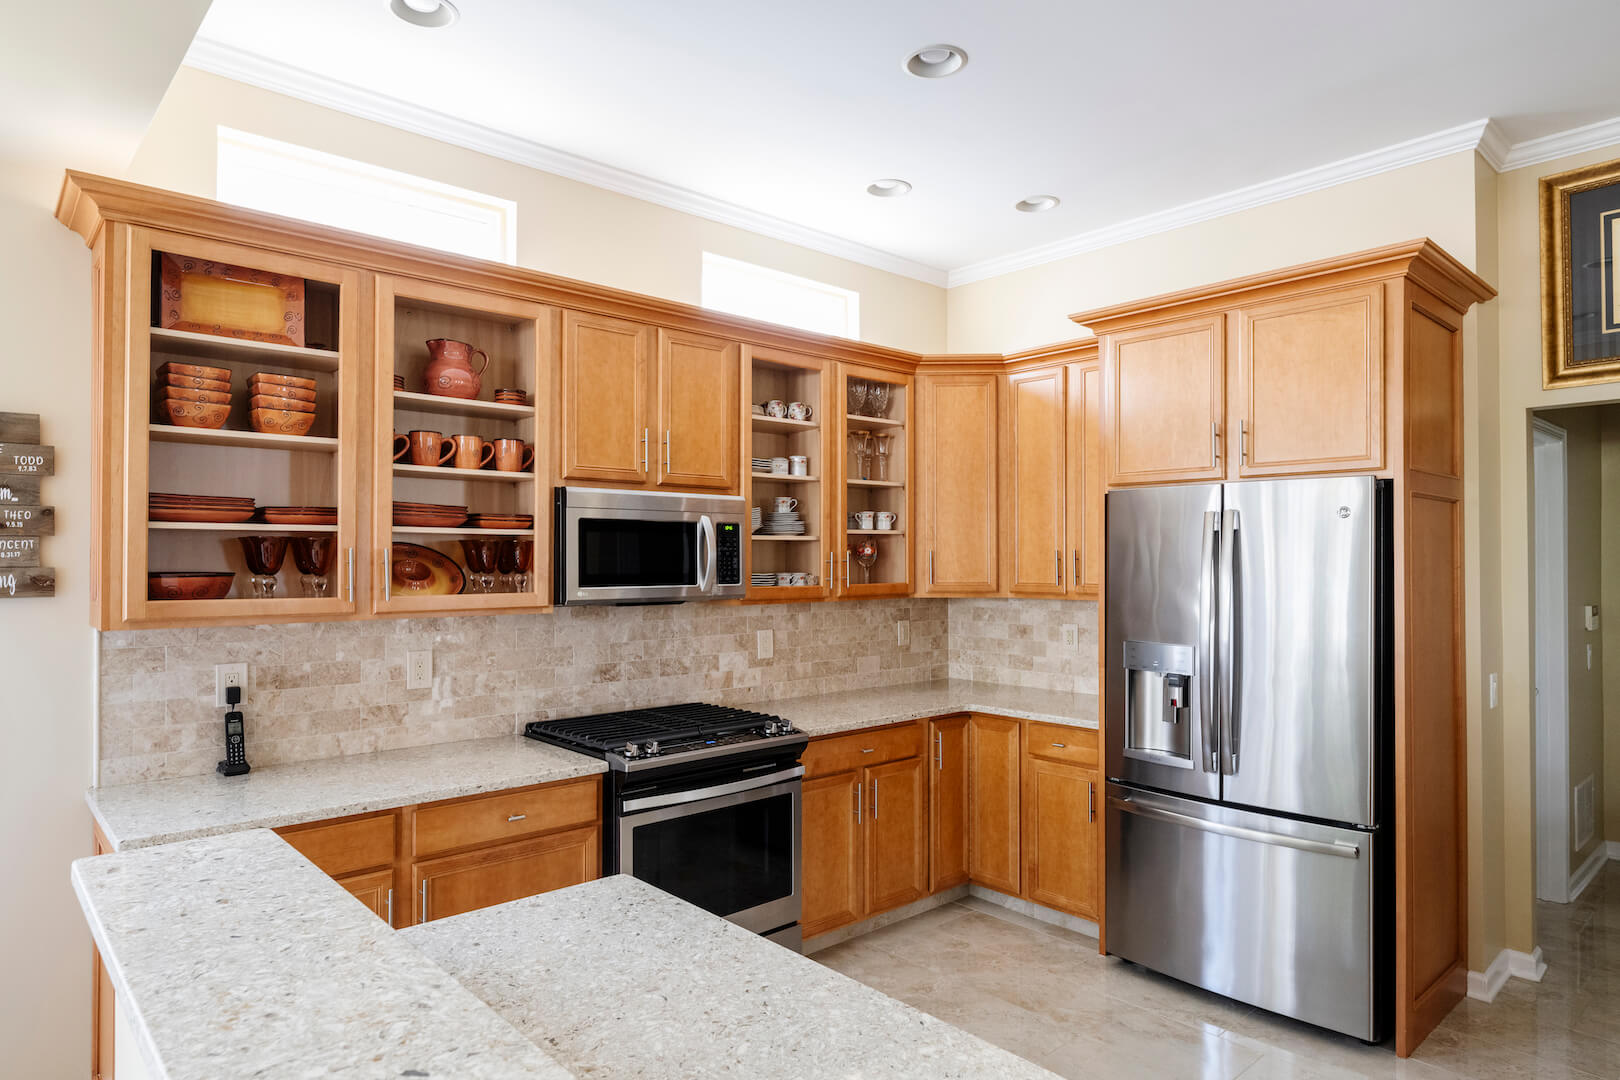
(245, 528)
(876, 532)
(782, 423)
(241, 350)
(227, 437)
(787, 539)
(856, 423)
(877, 483)
(451, 406)
(412, 530)
(437, 472)
(785, 478)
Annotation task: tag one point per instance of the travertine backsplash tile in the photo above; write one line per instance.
(1020, 643)
(327, 689)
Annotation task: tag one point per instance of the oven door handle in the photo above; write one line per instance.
(679, 798)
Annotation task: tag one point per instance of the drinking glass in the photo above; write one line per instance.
(857, 396)
(861, 443)
(482, 562)
(865, 551)
(313, 555)
(877, 398)
(882, 448)
(264, 555)
(514, 559)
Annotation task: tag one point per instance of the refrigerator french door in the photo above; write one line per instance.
(1246, 682)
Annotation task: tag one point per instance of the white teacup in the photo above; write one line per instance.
(799, 410)
(864, 517)
(784, 579)
(885, 520)
(779, 465)
(786, 504)
(801, 579)
(776, 408)
(798, 465)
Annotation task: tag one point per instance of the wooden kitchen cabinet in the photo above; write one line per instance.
(1038, 466)
(1088, 481)
(896, 834)
(699, 385)
(606, 422)
(830, 863)
(994, 753)
(1164, 389)
(1061, 836)
(947, 802)
(476, 879)
(375, 889)
(958, 423)
(344, 846)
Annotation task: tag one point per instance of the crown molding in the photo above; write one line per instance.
(240, 66)
(1561, 144)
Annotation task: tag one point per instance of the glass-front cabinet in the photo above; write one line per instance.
(872, 522)
(461, 513)
(790, 482)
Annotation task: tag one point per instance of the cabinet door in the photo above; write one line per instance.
(606, 424)
(496, 875)
(1061, 826)
(699, 391)
(1310, 375)
(959, 476)
(947, 803)
(1036, 437)
(830, 863)
(896, 834)
(375, 890)
(1087, 484)
(1165, 393)
(993, 796)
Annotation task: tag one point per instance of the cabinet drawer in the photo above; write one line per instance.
(498, 875)
(837, 753)
(506, 815)
(1076, 745)
(346, 846)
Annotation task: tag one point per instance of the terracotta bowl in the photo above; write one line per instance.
(196, 371)
(283, 380)
(281, 421)
(264, 401)
(197, 414)
(208, 397)
(188, 585)
(189, 382)
(281, 390)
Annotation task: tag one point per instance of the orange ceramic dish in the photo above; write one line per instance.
(283, 380)
(280, 390)
(209, 397)
(262, 401)
(195, 414)
(188, 585)
(191, 382)
(415, 570)
(195, 371)
(281, 421)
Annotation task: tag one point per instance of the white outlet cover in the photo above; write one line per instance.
(902, 633)
(419, 670)
(1071, 636)
(1495, 690)
(765, 644)
(229, 675)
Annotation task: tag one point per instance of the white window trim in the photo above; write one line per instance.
(850, 298)
(430, 193)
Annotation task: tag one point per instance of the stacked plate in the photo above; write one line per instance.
(220, 509)
(298, 515)
(762, 464)
(788, 524)
(761, 579)
(429, 515)
(756, 517)
(500, 521)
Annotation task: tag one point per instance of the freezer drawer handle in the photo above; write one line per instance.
(1259, 836)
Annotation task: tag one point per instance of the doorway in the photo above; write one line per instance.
(1550, 462)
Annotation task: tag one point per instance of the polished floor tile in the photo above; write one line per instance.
(1043, 993)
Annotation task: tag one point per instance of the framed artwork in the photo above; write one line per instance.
(1580, 276)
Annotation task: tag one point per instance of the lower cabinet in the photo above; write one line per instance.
(495, 875)
(994, 749)
(375, 890)
(830, 864)
(1062, 806)
(896, 834)
(947, 800)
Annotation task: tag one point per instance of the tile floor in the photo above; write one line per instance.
(1044, 994)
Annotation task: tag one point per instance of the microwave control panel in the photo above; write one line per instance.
(728, 553)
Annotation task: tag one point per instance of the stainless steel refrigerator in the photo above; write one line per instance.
(1247, 688)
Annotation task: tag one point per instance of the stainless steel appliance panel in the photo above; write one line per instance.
(1297, 634)
(647, 547)
(1271, 911)
(1161, 558)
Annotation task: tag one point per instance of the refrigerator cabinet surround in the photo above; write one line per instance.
(1270, 911)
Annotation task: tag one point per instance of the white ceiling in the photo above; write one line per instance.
(1122, 110)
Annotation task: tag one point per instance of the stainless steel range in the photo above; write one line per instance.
(703, 802)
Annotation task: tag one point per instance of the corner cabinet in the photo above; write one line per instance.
(959, 424)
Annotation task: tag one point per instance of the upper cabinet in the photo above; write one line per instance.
(1164, 391)
(1088, 481)
(699, 384)
(959, 426)
(873, 521)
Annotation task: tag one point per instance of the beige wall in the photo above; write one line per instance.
(564, 227)
(1610, 571)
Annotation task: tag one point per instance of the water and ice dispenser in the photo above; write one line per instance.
(1160, 706)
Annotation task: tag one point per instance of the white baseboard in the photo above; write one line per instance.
(1038, 912)
(1581, 878)
(1526, 965)
(1614, 849)
(1485, 985)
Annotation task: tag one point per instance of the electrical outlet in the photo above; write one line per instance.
(419, 670)
(765, 644)
(229, 675)
(1494, 690)
(902, 633)
(1071, 636)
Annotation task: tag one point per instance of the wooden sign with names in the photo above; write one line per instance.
(35, 582)
(19, 427)
(29, 459)
(18, 489)
(18, 551)
(27, 520)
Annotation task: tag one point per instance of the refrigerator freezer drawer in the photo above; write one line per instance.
(1270, 911)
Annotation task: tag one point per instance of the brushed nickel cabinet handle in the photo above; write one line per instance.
(869, 750)
(1243, 440)
(644, 432)
(388, 575)
(351, 575)
(857, 804)
(667, 466)
(1215, 441)
(517, 817)
(939, 751)
(390, 905)
(874, 798)
(424, 900)
(1060, 745)
(1058, 554)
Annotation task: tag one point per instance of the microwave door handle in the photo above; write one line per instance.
(707, 550)
(1227, 633)
(1206, 641)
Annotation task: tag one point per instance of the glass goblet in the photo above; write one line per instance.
(482, 562)
(264, 555)
(857, 396)
(865, 551)
(877, 398)
(313, 556)
(882, 448)
(515, 558)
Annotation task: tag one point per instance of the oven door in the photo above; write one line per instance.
(730, 848)
(618, 547)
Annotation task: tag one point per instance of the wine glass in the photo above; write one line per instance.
(313, 554)
(861, 443)
(514, 559)
(264, 555)
(882, 448)
(877, 397)
(857, 396)
(865, 551)
(481, 563)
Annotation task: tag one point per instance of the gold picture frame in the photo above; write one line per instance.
(1580, 219)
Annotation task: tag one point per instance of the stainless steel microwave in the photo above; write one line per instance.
(647, 547)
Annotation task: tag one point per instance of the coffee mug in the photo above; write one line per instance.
(430, 448)
(798, 410)
(784, 579)
(885, 520)
(786, 504)
(798, 465)
(776, 408)
(472, 452)
(402, 445)
(779, 465)
(865, 518)
(801, 579)
(512, 455)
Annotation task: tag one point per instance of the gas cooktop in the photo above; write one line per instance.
(667, 735)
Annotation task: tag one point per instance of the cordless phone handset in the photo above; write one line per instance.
(235, 763)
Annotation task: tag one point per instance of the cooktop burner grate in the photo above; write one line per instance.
(669, 724)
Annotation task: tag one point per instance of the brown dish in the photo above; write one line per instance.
(281, 421)
(195, 414)
(415, 570)
(428, 521)
(500, 521)
(280, 390)
(261, 401)
(207, 397)
(217, 515)
(189, 382)
(298, 515)
(208, 297)
(282, 380)
(188, 584)
(195, 371)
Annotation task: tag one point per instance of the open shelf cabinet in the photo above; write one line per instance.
(772, 375)
(876, 483)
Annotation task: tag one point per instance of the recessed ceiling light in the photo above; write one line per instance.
(936, 61)
(428, 13)
(1037, 204)
(888, 189)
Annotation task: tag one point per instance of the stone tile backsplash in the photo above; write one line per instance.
(1019, 642)
(321, 690)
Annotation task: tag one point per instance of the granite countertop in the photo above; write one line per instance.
(617, 979)
(234, 956)
(187, 807)
(852, 710)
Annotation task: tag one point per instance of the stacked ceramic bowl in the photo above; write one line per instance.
(191, 395)
(281, 404)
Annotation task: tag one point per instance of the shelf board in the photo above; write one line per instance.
(876, 532)
(876, 483)
(791, 539)
(240, 350)
(856, 423)
(435, 472)
(784, 478)
(783, 424)
(450, 406)
(412, 530)
(228, 437)
(246, 528)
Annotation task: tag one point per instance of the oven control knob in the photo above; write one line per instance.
(631, 750)
(651, 749)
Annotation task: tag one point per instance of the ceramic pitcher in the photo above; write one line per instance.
(450, 372)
